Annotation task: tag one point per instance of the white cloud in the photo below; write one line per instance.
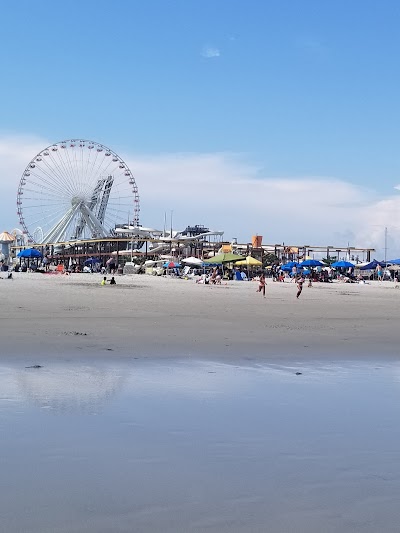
(225, 192)
(210, 52)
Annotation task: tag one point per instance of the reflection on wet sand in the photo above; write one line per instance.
(70, 387)
(179, 447)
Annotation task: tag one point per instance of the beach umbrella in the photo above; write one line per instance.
(171, 264)
(92, 261)
(394, 261)
(193, 261)
(342, 264)
(223, 258)
(285, 268)
(311, 263)
(29, 253)
(6, 237)
(249, 261)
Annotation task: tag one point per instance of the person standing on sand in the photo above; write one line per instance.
(261, 284)
(300, 282)
(379, 272)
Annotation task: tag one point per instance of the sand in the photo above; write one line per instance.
(143, 316)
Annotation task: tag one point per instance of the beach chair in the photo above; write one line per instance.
(185, 271)
(60, 269)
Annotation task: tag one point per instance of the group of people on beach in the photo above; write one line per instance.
(104, 281)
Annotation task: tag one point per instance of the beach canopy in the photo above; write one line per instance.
(29, 253)
(92, 261)
(342, 264)
(311, 263)
(192, 261)
(392, 261)
(372, 265)
(223, 258)
(249, 261)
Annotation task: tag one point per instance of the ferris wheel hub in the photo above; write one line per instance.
(76, 200)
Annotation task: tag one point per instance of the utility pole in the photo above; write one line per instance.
(386, 232)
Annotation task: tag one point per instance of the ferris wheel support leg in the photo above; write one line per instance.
(55, 234)
(93, 223)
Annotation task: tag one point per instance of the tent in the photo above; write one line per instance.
(372, 265)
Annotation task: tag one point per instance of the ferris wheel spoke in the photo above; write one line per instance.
(65, 179)
(50, 179)
(63, 163)
(89, 163)
(49, 221)
(105, 169)
(56, 167)
(68, 162)
(42, 190)
(53, 172)
(47, 178)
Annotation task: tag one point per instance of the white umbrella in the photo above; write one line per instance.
(192, 261)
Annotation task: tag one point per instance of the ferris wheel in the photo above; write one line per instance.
(76, 189)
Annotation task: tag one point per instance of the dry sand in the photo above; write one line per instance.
(145, 316)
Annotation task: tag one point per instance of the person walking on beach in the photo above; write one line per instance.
(261, 284)
(300, 282)
(379, 272)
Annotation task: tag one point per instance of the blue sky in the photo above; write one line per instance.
(296, 90)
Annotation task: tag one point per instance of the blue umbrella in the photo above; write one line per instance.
(394, 261)
(30, 253)
(311, 263)
(92, 261)
(342, 264)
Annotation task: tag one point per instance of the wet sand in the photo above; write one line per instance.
(145, 316)
(177, 446)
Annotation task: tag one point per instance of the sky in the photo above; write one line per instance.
(273, 118)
